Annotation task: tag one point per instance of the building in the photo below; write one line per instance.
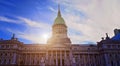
(59, 51)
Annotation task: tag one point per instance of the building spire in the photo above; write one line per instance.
(59, 19)
(59, 13)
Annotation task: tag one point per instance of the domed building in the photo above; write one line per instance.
(59, 51)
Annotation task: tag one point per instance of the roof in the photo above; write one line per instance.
(114, 40)
(59, 19)
(116, 37)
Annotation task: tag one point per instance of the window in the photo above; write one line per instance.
(118, 46)
(2, 46)
(114, 46)
(10, 54)
(0, 61)
(75, 48)
(1, 54)
(11, 46)
(7, 46)
(112, 63)
(9, 61)
(5, 54)
(109, 46)
(5, 61)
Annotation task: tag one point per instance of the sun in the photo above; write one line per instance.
(45, 36)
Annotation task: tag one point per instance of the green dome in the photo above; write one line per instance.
(59, 20)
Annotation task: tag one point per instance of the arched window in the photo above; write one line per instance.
(38, 62)
(118, 46)
(7, 46)
(112, 63)
(2, 46)
(5, 61)
(5, 54)
(9, 61)
(117, 63)
(0, 54)
(63, 62)
(21, 62)
(33, 62)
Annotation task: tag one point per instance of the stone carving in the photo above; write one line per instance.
(67, 63)
(42, 62)
(73, 62)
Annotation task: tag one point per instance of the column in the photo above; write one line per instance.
(35, 59)
(71, 57)
(115, 60)
(7, 61)
(94, 60)
(50, 60)
(68, 60)
(30, 59)
(106, 59)
(98, 58)
(14, 58)
(46, 61)
(71, 54)
(60, 58)
(65, 60)
(2, 59)
(88, 59)
(47, 55)
(65, 57)
(50, 57)
(56, 59)
(18, 58)
(79, 60)
(25, 58)
(84, 59)
(38, 59)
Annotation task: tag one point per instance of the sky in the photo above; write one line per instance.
(31, 20)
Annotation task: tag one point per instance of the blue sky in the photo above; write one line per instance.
(11, 10)
(31, 20)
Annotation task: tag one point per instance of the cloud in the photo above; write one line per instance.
(52, 9)
(33, 32)
(5, 19)
(88, 20)
(28, 22)
(101, 16)
(32, 23)
(7, 3)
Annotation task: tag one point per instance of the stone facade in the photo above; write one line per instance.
(59, 51)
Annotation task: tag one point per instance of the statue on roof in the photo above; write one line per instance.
(107, 37)
(13, 37)
(116, 31)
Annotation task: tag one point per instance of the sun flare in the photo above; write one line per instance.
(45, 36)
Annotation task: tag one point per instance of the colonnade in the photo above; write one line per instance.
(58, 58)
